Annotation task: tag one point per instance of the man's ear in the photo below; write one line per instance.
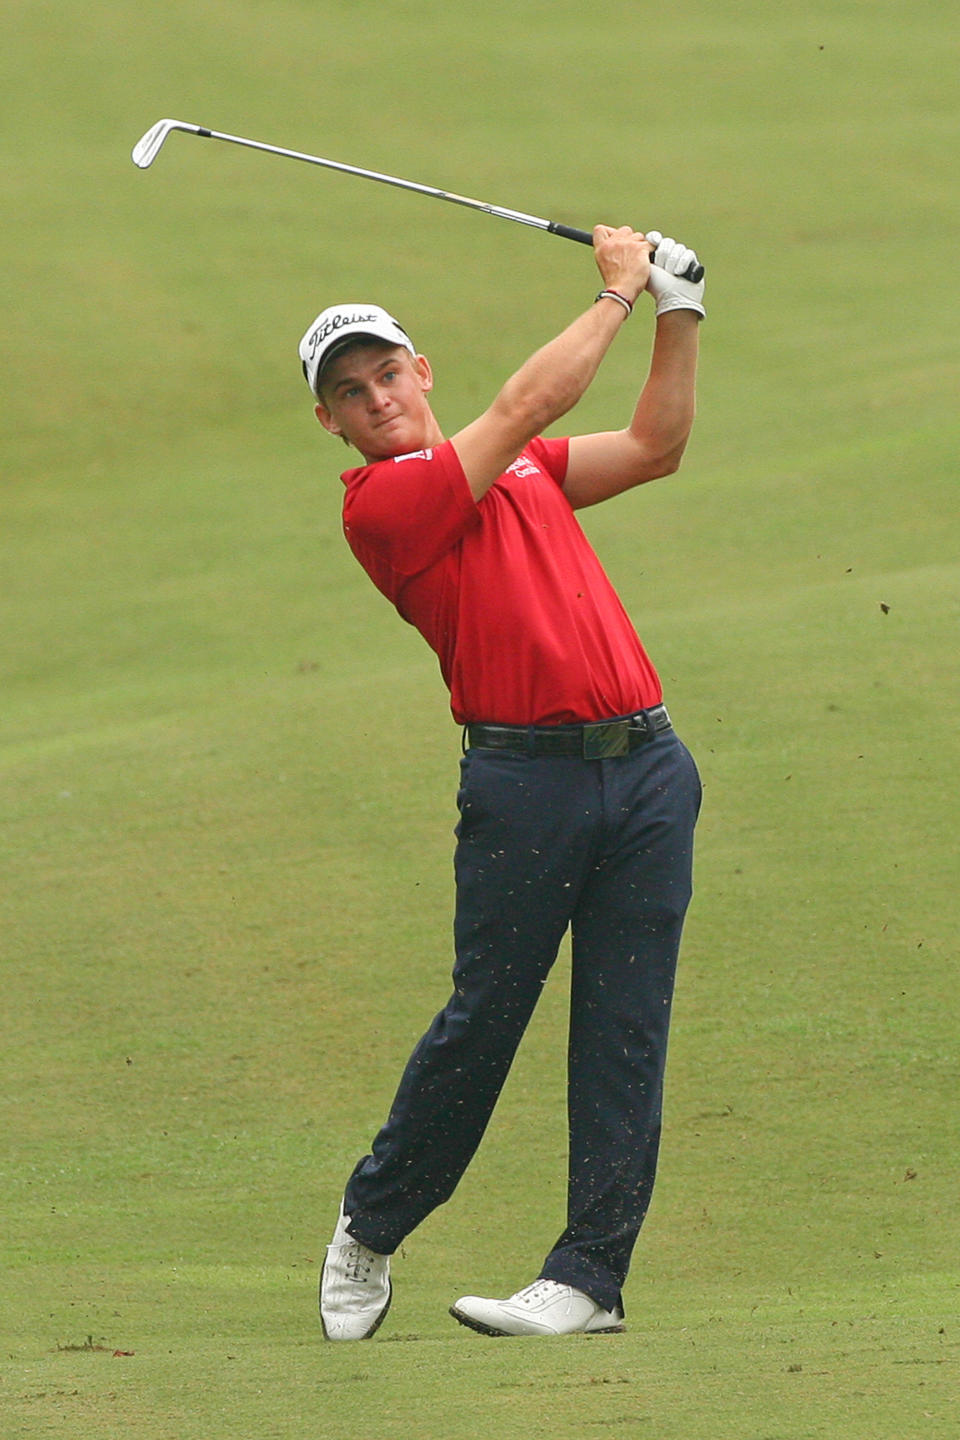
(326, 419)
(422, 366)
(328, 422)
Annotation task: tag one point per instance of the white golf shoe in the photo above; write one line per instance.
(543, 1308)
(355, 1287)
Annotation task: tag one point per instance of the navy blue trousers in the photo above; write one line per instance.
(603, 847)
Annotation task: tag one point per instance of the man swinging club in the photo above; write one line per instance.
(577, 800)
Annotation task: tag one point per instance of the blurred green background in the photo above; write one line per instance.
(228, 769)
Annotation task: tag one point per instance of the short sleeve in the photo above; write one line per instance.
(552, 456)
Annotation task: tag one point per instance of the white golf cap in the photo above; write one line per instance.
(344, 322)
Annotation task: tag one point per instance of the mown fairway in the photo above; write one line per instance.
(228, 769)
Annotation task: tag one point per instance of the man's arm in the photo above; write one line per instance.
(653, 443)
(552, 381)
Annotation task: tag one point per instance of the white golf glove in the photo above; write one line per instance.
(666, 284)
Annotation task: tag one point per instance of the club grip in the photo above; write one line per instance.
(583, 237)
(693, 273)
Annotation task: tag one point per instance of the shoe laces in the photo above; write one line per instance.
(539, 1290)
(358, 1262)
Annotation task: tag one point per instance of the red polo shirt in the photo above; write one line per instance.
(507, 590)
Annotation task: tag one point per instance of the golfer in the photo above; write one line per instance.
(577, 800)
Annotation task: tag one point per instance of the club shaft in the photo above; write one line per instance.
(505, 214)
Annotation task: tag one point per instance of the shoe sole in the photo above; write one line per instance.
(367, 1334)
(464, 1319)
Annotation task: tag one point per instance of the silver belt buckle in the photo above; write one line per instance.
(606, 739)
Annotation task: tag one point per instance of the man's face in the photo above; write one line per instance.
(375, 396)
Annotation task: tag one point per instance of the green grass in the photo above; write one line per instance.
(227, 770)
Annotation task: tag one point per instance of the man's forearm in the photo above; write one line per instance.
(545, 387)
(556, 376)
(664, 415)
(605, 464)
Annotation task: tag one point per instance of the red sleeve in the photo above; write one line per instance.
(552, 456)
(410, 510)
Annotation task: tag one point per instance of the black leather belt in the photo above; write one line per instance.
(597, 740)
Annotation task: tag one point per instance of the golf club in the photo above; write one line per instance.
(146, 150)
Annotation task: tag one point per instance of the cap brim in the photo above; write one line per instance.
(344, 344)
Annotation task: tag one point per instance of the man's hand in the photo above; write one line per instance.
(623, 259)
(666, 283)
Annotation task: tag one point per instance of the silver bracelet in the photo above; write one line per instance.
(615, 295)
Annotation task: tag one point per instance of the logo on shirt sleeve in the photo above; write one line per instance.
(522, 467)
(414, 455)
